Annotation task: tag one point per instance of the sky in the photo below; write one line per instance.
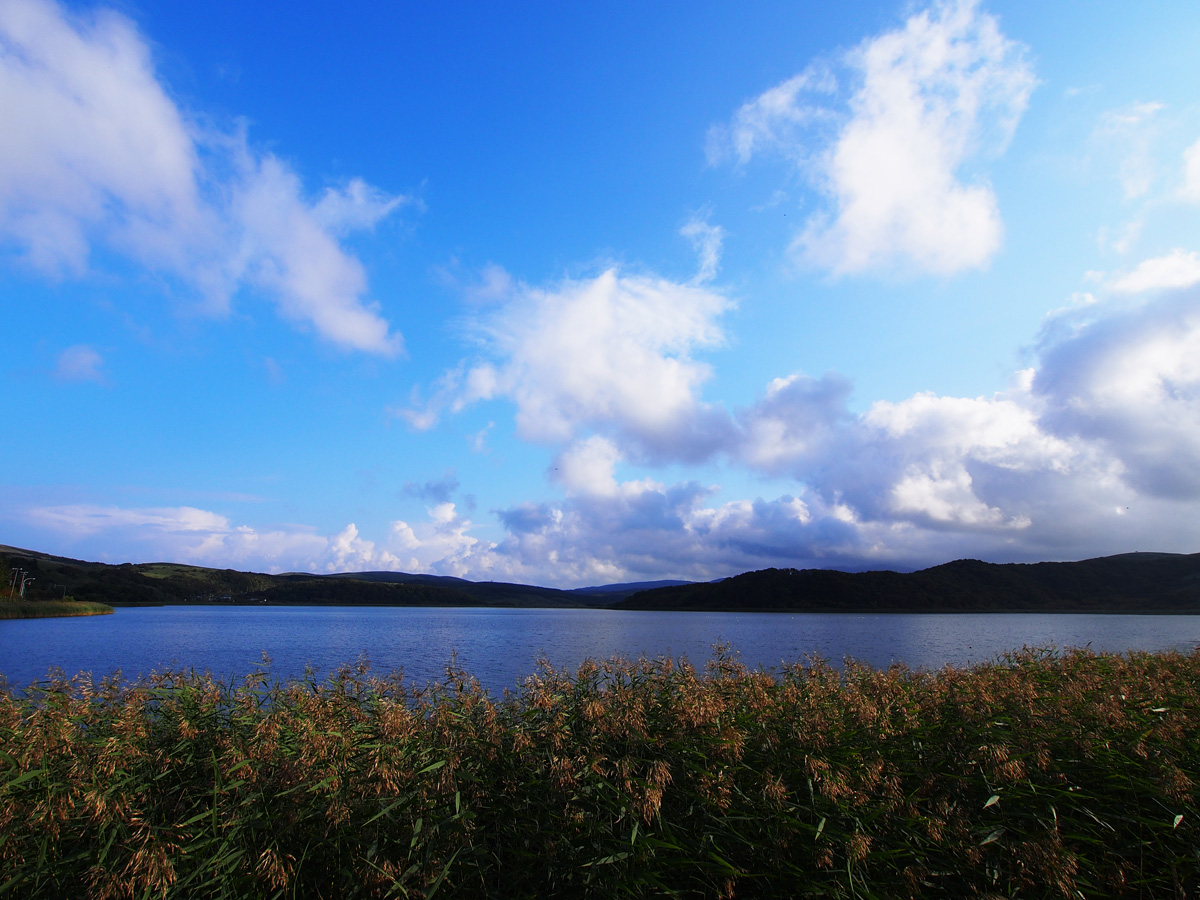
(574, 294)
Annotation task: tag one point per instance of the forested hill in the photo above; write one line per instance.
(148, 584)
(1130, 582)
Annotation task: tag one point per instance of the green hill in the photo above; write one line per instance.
(1130, 582)
(150, 584)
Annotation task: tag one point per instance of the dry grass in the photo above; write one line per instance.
(1040, 775)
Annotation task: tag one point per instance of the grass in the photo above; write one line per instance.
(45, 609)
(1042, 774)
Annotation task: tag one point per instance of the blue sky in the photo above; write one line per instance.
(573, 294)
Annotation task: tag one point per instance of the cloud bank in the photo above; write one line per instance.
(94, 152)
(1094, 450)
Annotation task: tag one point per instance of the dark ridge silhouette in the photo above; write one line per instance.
(156, 584)
(1129, 582)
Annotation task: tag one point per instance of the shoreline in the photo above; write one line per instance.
(757, 610)
(52, 609)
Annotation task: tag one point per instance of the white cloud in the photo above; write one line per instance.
(85, 519)
(927, 448)
(775, 121)
(795, 423)
(86, 125)
(356, 206)
(350, 553)
(201, 537)
(288, 251)
(931, 97)
(612, 352)
(1178, 269)
(588, 467)
(94, 150)
(443, 545)
(646, 530)
(1129, 382)
(80, 363)
(706, 239)
(1191, 174)
(1108, 422)
(916, 462)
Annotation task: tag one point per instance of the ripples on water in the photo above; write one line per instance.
(501, 646)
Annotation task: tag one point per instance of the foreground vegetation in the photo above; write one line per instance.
(47, 609)
(1039, 775)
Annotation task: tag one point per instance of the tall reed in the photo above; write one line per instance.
(50, 609)
(1041, 774)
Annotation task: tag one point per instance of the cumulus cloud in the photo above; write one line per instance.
(935, 449)
(613, 353)
(202, 537)
(914, 462)
(347, 552)
(1130, 382)
(588, 467)
(795, 424)
(943, 91)
(95, 151)
(1178, 269)
(443, 545)
(643, 530)
(80, 363)
(1096, 449)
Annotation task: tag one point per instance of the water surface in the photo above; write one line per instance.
(502, 646)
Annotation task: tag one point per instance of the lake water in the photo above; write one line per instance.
(501, 646)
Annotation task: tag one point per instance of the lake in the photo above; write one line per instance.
(501, 646)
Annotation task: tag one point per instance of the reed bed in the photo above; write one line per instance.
(51, 609)
(1042, 774)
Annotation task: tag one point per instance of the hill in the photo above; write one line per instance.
(1130, 582)
(149, 584)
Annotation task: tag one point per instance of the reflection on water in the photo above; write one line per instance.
(501, 646)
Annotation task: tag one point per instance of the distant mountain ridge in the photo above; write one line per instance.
(1128, 582)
